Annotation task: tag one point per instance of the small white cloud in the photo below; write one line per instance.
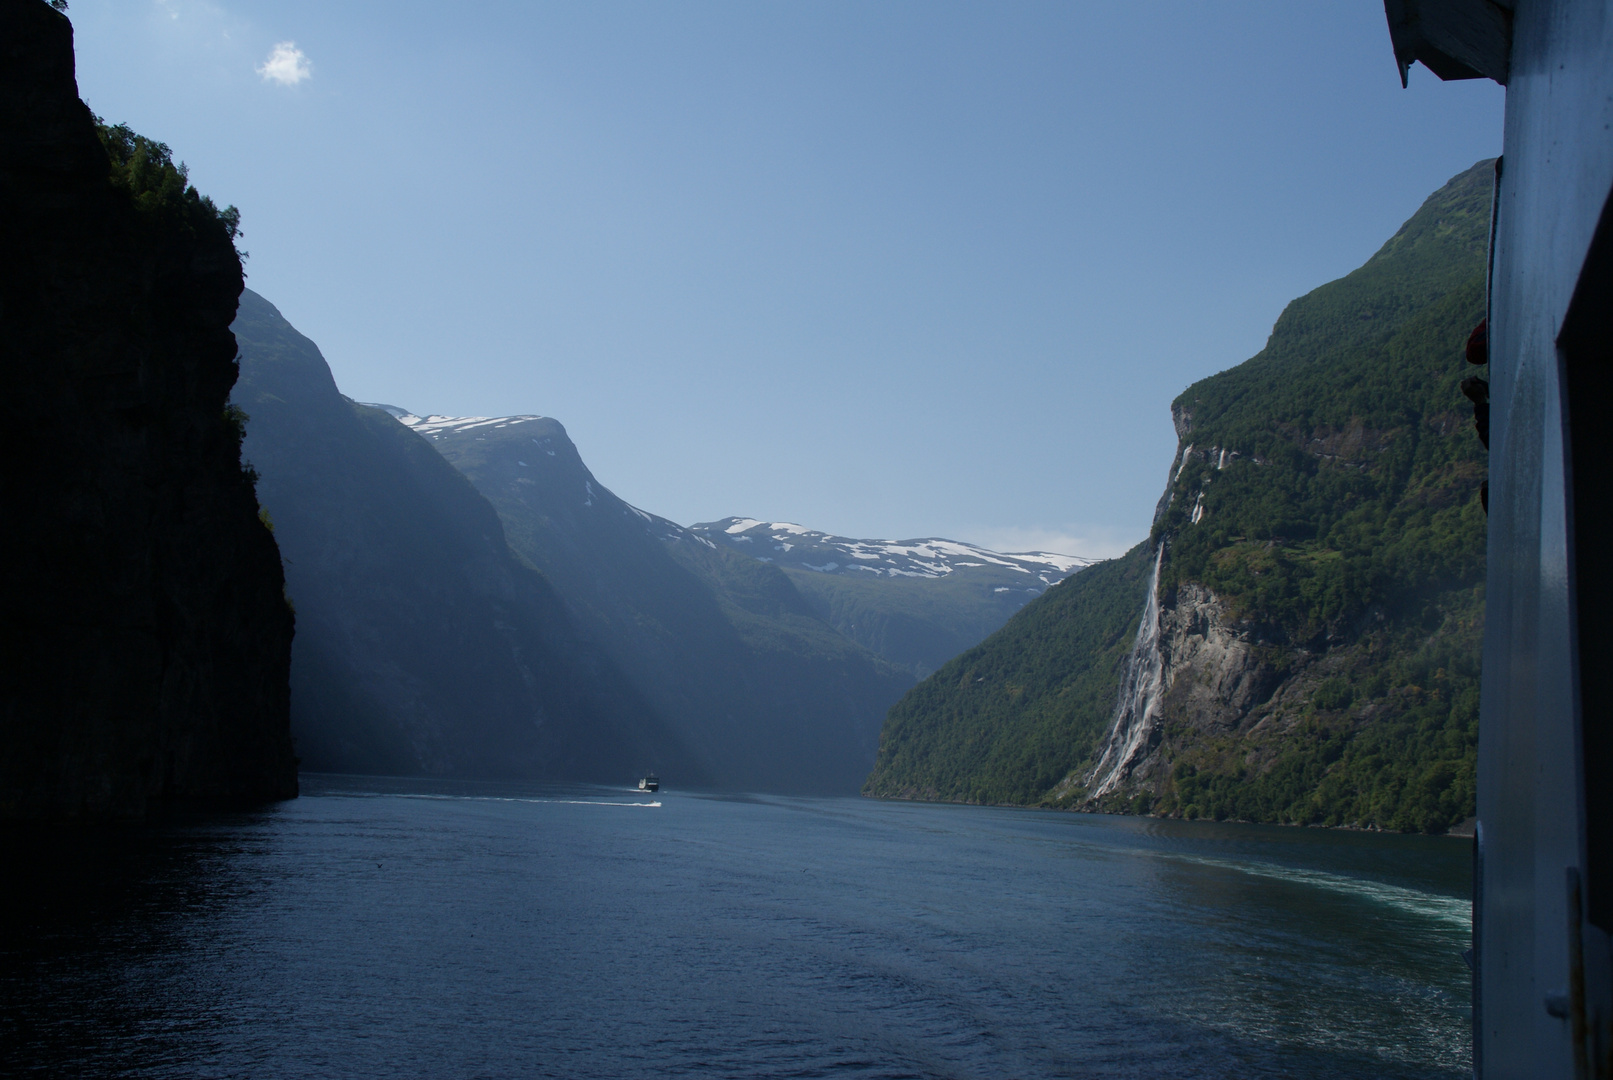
(287, 65)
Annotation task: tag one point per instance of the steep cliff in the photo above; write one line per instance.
(1321, 590)
(424, 645)
(1307, 649)
(149, 640)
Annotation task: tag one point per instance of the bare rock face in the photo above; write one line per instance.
(148, 639)
(1216, 678)
(1214, 673)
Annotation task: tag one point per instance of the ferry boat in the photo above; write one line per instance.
(650, 783)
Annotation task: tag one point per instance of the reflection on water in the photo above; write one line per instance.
(391, 928)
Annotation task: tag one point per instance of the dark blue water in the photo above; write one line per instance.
(381, 929)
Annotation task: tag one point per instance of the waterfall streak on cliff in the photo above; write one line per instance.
(1140, 687)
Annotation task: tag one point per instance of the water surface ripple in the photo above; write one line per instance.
(408, 928)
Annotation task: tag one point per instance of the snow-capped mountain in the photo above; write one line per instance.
(795, 547)
(783, 543)
(435, 427)
(917, 603)
(765, 692)
(547, 438)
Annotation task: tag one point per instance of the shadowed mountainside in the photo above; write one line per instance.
(758, 686)
(150, 645)
(425, 646)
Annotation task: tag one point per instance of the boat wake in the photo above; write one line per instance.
(1452, 912)
(486, 798)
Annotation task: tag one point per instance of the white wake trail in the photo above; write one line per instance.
(489, 798)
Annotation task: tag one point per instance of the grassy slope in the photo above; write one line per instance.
(1349, 526)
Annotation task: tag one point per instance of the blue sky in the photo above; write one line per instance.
(884, 269)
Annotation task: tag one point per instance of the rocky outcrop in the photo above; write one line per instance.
(148, 641)
(1214, 671)
(1209, 679)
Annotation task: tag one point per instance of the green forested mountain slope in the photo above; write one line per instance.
(1321, 593)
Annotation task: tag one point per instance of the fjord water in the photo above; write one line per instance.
(381, 928)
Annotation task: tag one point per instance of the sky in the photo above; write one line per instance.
(888, 270)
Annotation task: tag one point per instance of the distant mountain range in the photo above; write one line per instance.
(793, 547)
(529, 622)
(917, 603)
(914, 603)
(726, 650)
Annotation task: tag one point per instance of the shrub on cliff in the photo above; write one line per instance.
(161, 189)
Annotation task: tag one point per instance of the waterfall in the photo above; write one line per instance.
(1141, 682)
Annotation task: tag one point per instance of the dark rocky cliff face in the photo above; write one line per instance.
(149, 640)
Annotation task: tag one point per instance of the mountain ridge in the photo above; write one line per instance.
(794, 546)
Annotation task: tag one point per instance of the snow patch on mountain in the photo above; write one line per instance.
(783, 543)
(930, 557)
(435, 426)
